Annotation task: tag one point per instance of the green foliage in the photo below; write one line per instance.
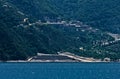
(98, 13)
(21, 42)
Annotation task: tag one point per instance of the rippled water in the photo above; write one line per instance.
(59, 70)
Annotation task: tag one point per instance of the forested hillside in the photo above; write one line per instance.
(23, 36)
(36, 8)
(102, 14)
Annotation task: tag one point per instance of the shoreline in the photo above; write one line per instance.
(55, 61)
(65, 57)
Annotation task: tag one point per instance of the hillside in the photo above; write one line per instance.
(98, 13)
(25, 29)
(35, 8)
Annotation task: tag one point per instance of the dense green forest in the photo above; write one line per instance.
(20, 40)
(102, 14)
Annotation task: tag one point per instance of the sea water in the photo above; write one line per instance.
(59, 70)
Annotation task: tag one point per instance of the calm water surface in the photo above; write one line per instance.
(59, 70)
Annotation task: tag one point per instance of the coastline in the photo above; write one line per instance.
(65, 57)
(23, 61)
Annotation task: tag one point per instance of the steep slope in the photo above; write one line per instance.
(22, 36)
(12, 46)
(98, 13)
(36, 8)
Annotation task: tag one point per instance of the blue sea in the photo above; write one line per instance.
(59, 70)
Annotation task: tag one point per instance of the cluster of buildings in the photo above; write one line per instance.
(73, 23)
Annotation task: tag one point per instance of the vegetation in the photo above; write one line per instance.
(20, 40)
(98, 13)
